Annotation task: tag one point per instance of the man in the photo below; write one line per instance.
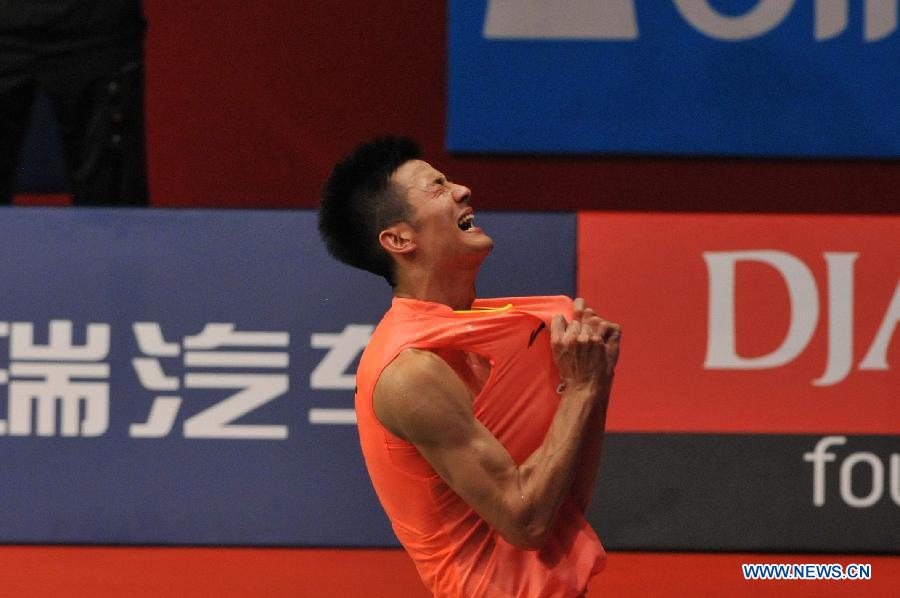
(481, 421)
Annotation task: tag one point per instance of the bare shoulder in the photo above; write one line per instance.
(413, 368)
(418, 396)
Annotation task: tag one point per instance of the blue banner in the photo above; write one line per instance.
(724, 77)
(186, 377)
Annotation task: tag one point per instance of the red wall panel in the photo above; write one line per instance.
(649, 273)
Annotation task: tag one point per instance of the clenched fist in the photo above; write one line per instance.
(585, 350)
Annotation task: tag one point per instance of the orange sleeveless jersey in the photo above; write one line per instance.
(455, 551)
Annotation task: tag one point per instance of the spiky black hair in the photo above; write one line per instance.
(358, 202)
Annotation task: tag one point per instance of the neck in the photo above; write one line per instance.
(455, 288)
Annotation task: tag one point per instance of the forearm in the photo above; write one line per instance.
(589, 458)
(546, 477)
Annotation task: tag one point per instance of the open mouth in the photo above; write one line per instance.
(466, 222)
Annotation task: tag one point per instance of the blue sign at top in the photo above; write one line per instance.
(728, 77)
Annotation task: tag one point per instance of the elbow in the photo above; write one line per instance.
(529, 532)
(529, 539)
(531, 542)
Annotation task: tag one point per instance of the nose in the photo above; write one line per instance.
(460, 193)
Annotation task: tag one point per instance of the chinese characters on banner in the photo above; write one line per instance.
(61, 388)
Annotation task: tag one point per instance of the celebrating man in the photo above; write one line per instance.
(481, 420)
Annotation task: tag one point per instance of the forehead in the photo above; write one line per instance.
(415, 174)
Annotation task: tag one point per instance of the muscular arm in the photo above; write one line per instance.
(421, 399)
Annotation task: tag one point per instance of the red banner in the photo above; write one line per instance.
(768, 324)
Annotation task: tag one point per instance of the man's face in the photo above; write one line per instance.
(442, 217)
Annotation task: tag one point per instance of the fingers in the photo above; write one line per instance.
(574, 328)
(592, 320)
(610, 331)
(582, 336)
(578, 309)
(585, 349)
(564, 334)
(582, 313)
(557, 328)
(584, 333)
(588, 318)
(591, 327)
(585, 315)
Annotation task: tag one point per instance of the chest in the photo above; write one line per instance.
(512, 380)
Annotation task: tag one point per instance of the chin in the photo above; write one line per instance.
(483, 241)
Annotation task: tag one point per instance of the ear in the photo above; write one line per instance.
(398, 239)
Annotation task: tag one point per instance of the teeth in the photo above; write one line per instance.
(465, 223)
